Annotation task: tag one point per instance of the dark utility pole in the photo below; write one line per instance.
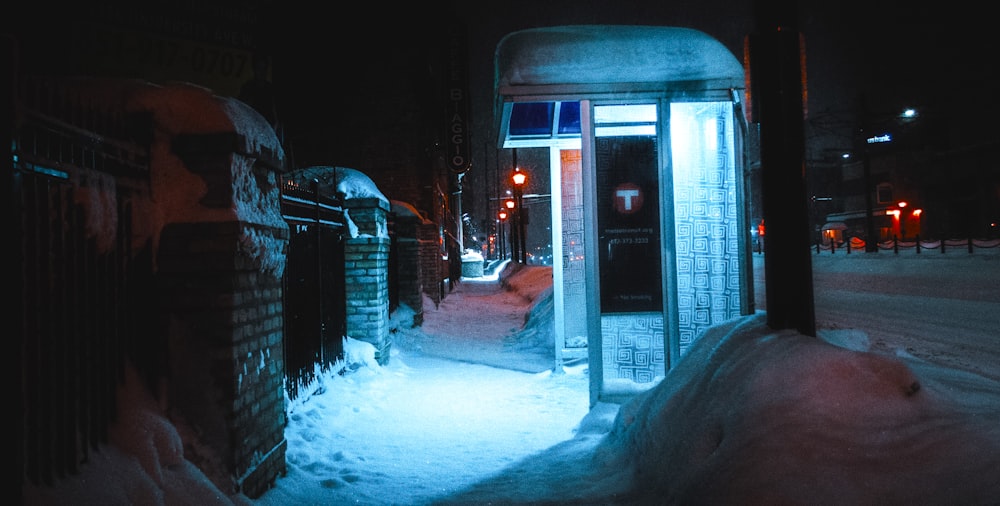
(501, 241)
(522, 216)
(515, 215)
(776, 79)
(871, 241)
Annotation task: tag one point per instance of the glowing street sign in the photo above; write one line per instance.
(878, 139)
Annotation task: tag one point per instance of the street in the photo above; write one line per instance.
(943, 309)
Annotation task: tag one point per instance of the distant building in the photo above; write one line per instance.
(917, 187)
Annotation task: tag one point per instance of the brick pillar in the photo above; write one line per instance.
(221, 259)
(408, 276)
(432, 269)
(407, 264)
(366, 274)
(225, 330)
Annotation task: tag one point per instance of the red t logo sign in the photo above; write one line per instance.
(628, 198)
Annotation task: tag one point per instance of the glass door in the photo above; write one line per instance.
(627, 182)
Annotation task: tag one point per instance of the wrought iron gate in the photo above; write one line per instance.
(315, 312)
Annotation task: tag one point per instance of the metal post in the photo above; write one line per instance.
(321, 329)
(776, 80)
(515, 223)
(460, 220)
(501, 239)
(523, 245)
(518, 180)
(871, 243)
(515, 240)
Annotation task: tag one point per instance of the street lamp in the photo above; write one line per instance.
(511, 204)
(900, 215)
(501, 219)
(519, 178)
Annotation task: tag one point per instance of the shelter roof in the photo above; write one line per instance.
(613, 54)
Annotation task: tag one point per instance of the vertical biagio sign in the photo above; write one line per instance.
(459, 155)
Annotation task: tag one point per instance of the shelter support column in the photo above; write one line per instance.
(569, 275)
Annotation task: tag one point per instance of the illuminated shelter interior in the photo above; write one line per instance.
(647, 142)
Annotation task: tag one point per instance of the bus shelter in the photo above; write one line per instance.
(647, 141)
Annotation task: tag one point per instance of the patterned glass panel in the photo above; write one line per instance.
(705, 213)
(632, 351)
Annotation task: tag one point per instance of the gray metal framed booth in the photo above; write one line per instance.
(647, 141)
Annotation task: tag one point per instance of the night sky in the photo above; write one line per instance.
(895, 54)
(338, 72)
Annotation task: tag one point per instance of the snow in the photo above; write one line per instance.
(178, 193)
(355, 184)
(469, 409)
(613, 54)
(348, 184)
(867, 413)
(472, 256)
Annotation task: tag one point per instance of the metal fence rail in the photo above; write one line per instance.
(969, 245)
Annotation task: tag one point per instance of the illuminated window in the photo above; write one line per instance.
(618, 120)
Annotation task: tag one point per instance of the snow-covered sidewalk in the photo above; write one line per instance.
(460, 400)
(868, 413)
(481, 321)
(421, 427)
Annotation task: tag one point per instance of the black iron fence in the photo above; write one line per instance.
(917, 245)
(315, 300)
(82, 281)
